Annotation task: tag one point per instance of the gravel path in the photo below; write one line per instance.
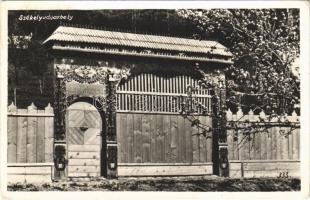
(198, 183)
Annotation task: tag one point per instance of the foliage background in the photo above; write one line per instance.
(265, 45)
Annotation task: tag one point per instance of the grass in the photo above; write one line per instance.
(199, 184)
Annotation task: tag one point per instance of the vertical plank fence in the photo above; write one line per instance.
(30, 134)
(162, 144)
(263, 145)
(30, 143)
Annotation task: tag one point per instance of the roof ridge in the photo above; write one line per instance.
(155, 42)
(209, 46)
(118, 31)
(134, 40)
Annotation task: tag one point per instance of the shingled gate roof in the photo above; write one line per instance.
(103, 37)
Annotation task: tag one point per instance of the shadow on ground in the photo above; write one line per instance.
(167, 184)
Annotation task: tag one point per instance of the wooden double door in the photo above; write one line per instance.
(84, 140)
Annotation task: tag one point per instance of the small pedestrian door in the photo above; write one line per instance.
(84, 126)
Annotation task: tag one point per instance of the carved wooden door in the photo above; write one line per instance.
(84, 126)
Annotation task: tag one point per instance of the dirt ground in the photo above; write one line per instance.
(198, 183)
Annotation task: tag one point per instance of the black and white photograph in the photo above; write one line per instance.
(173, 100)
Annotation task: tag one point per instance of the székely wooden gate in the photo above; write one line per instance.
(157, 71)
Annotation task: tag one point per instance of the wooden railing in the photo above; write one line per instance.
(151, 93)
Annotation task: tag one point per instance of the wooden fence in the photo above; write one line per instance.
(149, 143)
(263, 144)
(30, 134)
(167, 143)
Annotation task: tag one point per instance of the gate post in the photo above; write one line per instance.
(60, 160)
(111, 127)
(220, 147)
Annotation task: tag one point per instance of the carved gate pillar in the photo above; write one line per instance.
(220, 146)
(60, 160)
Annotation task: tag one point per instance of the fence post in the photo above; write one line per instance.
(262, 115)
(12, 134)
(31, 134)
(12, 108)
(49, 135)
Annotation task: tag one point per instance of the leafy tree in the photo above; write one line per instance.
(265, 44)
(37, 64)
(27, 64)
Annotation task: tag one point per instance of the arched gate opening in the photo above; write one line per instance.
(86, 143)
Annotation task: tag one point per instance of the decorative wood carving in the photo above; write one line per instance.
(60, 108)
(82, 73)
(100, 81)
